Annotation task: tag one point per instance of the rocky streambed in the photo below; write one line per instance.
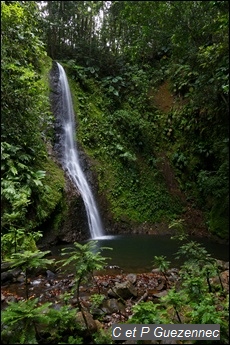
(120, 291)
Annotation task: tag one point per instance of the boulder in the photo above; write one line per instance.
(224, 276)
(225, 279)
(91, 324)
(132, 278)
(5, 266)
(6, 277)
(112, 306)
(160, 294)
(123, 290)
(222, 265)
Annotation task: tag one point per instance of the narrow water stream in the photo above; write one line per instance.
(70, 158)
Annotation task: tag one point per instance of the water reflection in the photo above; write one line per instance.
(135, 253)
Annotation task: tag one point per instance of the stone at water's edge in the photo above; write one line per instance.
(132, 278)
(6, 277)
(124, 290)
(160, 294)
(222, 264)
(112, 305)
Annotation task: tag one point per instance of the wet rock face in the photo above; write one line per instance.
(75, 225)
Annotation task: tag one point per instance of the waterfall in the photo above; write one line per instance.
(71, 161)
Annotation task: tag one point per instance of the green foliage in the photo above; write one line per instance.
(74, 340)
(175, 300)
(112, 67)
(50, 197)
(82, 74)
(183, 78)
(178, 225)
(112, 84)
(87, 259)
(19, 181)
(36, 322)
(219, 218)
(123, 58)
(190, 301)
(96, 300)
(138, 194)
(16, 239)
(15, 171)
(29, 259)
(23, 103)
(121, 142)
(199, 264)
(200, 124)
(212, 187)
(62, 323)
(193, 283)
(131, 127)
(28, 196)
(103, 336)
(20, 321)
(148, 313)
(26, 122)
(206, 312)
(213, 184)
(194, 252)
(191, 50)
(161, 263)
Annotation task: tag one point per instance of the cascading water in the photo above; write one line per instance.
(70, 159)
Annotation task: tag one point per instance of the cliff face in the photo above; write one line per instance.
(68, 222)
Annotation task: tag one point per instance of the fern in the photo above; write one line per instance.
(29, 259)
(20, 321)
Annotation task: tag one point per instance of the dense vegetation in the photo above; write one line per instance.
(196, 298)
(116, 63)
(29, 194)
(117, 66)
(117, 55)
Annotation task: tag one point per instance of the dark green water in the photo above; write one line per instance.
(135, 253)
(132, 253)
